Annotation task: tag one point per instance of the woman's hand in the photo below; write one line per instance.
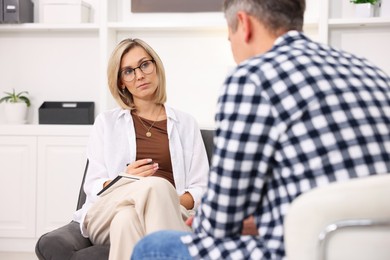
(187, 200)
(143, 167)
(106, 183)
(189, 221)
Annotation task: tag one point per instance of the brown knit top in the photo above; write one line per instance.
(155, 147)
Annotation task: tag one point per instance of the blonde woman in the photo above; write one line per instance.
(146, 138)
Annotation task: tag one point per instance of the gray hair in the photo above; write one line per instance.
(276, 15)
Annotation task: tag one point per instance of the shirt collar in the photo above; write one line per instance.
(287, 38)
(125, 113)
(170, 113)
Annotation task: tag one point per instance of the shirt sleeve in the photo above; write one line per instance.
(199, 168)
(97, 171)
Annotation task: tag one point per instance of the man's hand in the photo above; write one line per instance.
(249, 227)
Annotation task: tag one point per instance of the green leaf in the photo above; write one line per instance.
(364, 1)
(15, 98)
(20, 93)
(4, 99)
(26, 100)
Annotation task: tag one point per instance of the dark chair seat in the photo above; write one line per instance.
(67, 242)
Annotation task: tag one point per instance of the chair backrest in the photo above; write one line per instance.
(82, 195)
(347, 220)
(207, 136)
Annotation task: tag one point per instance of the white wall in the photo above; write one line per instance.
(65, 67)
(196, 64)
(50, 66)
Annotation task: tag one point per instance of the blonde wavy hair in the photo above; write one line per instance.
(125, 98)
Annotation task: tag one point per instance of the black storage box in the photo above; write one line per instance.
(64, 113)
(1, 11)
(18, 11)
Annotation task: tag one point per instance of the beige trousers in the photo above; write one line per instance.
(123, 215)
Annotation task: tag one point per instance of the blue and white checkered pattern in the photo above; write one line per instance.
(300, 116)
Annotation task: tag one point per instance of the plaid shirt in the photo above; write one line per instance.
(300, 116)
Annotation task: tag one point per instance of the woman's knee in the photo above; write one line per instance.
(123, 215)
(159, 185)
(157, 182)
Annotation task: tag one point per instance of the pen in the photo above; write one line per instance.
(151, 162)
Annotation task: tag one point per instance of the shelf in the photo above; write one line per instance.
(28, 27)
(360, 22)
(46, 130)
(178, 27)
(163, 27)
(171, 21)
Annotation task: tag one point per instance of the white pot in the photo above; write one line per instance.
(364, 10)
(15, 113)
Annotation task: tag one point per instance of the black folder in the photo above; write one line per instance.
(117, 178)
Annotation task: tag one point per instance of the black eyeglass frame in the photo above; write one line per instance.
(139, 67)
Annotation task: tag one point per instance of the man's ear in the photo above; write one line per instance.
(245, 25)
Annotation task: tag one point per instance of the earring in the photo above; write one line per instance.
(123, 90)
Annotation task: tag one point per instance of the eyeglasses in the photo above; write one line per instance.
(128, 74)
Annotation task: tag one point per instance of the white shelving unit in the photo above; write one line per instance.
(37, 27)
(363, 22)
(67, 62)
(193, 46)
(43, 167)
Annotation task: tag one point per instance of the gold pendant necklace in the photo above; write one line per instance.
(148, 133)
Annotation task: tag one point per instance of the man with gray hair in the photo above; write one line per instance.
(292, 116)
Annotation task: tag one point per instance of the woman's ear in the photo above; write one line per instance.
(245, 25)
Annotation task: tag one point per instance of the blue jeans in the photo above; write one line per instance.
(161, 245)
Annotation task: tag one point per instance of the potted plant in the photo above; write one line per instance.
(365, 8)
(16, 105)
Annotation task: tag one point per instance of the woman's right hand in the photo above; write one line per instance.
(189, 221)
(143, 167)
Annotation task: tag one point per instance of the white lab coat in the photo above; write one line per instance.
(112, 145)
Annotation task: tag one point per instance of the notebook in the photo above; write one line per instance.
(116, 182)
